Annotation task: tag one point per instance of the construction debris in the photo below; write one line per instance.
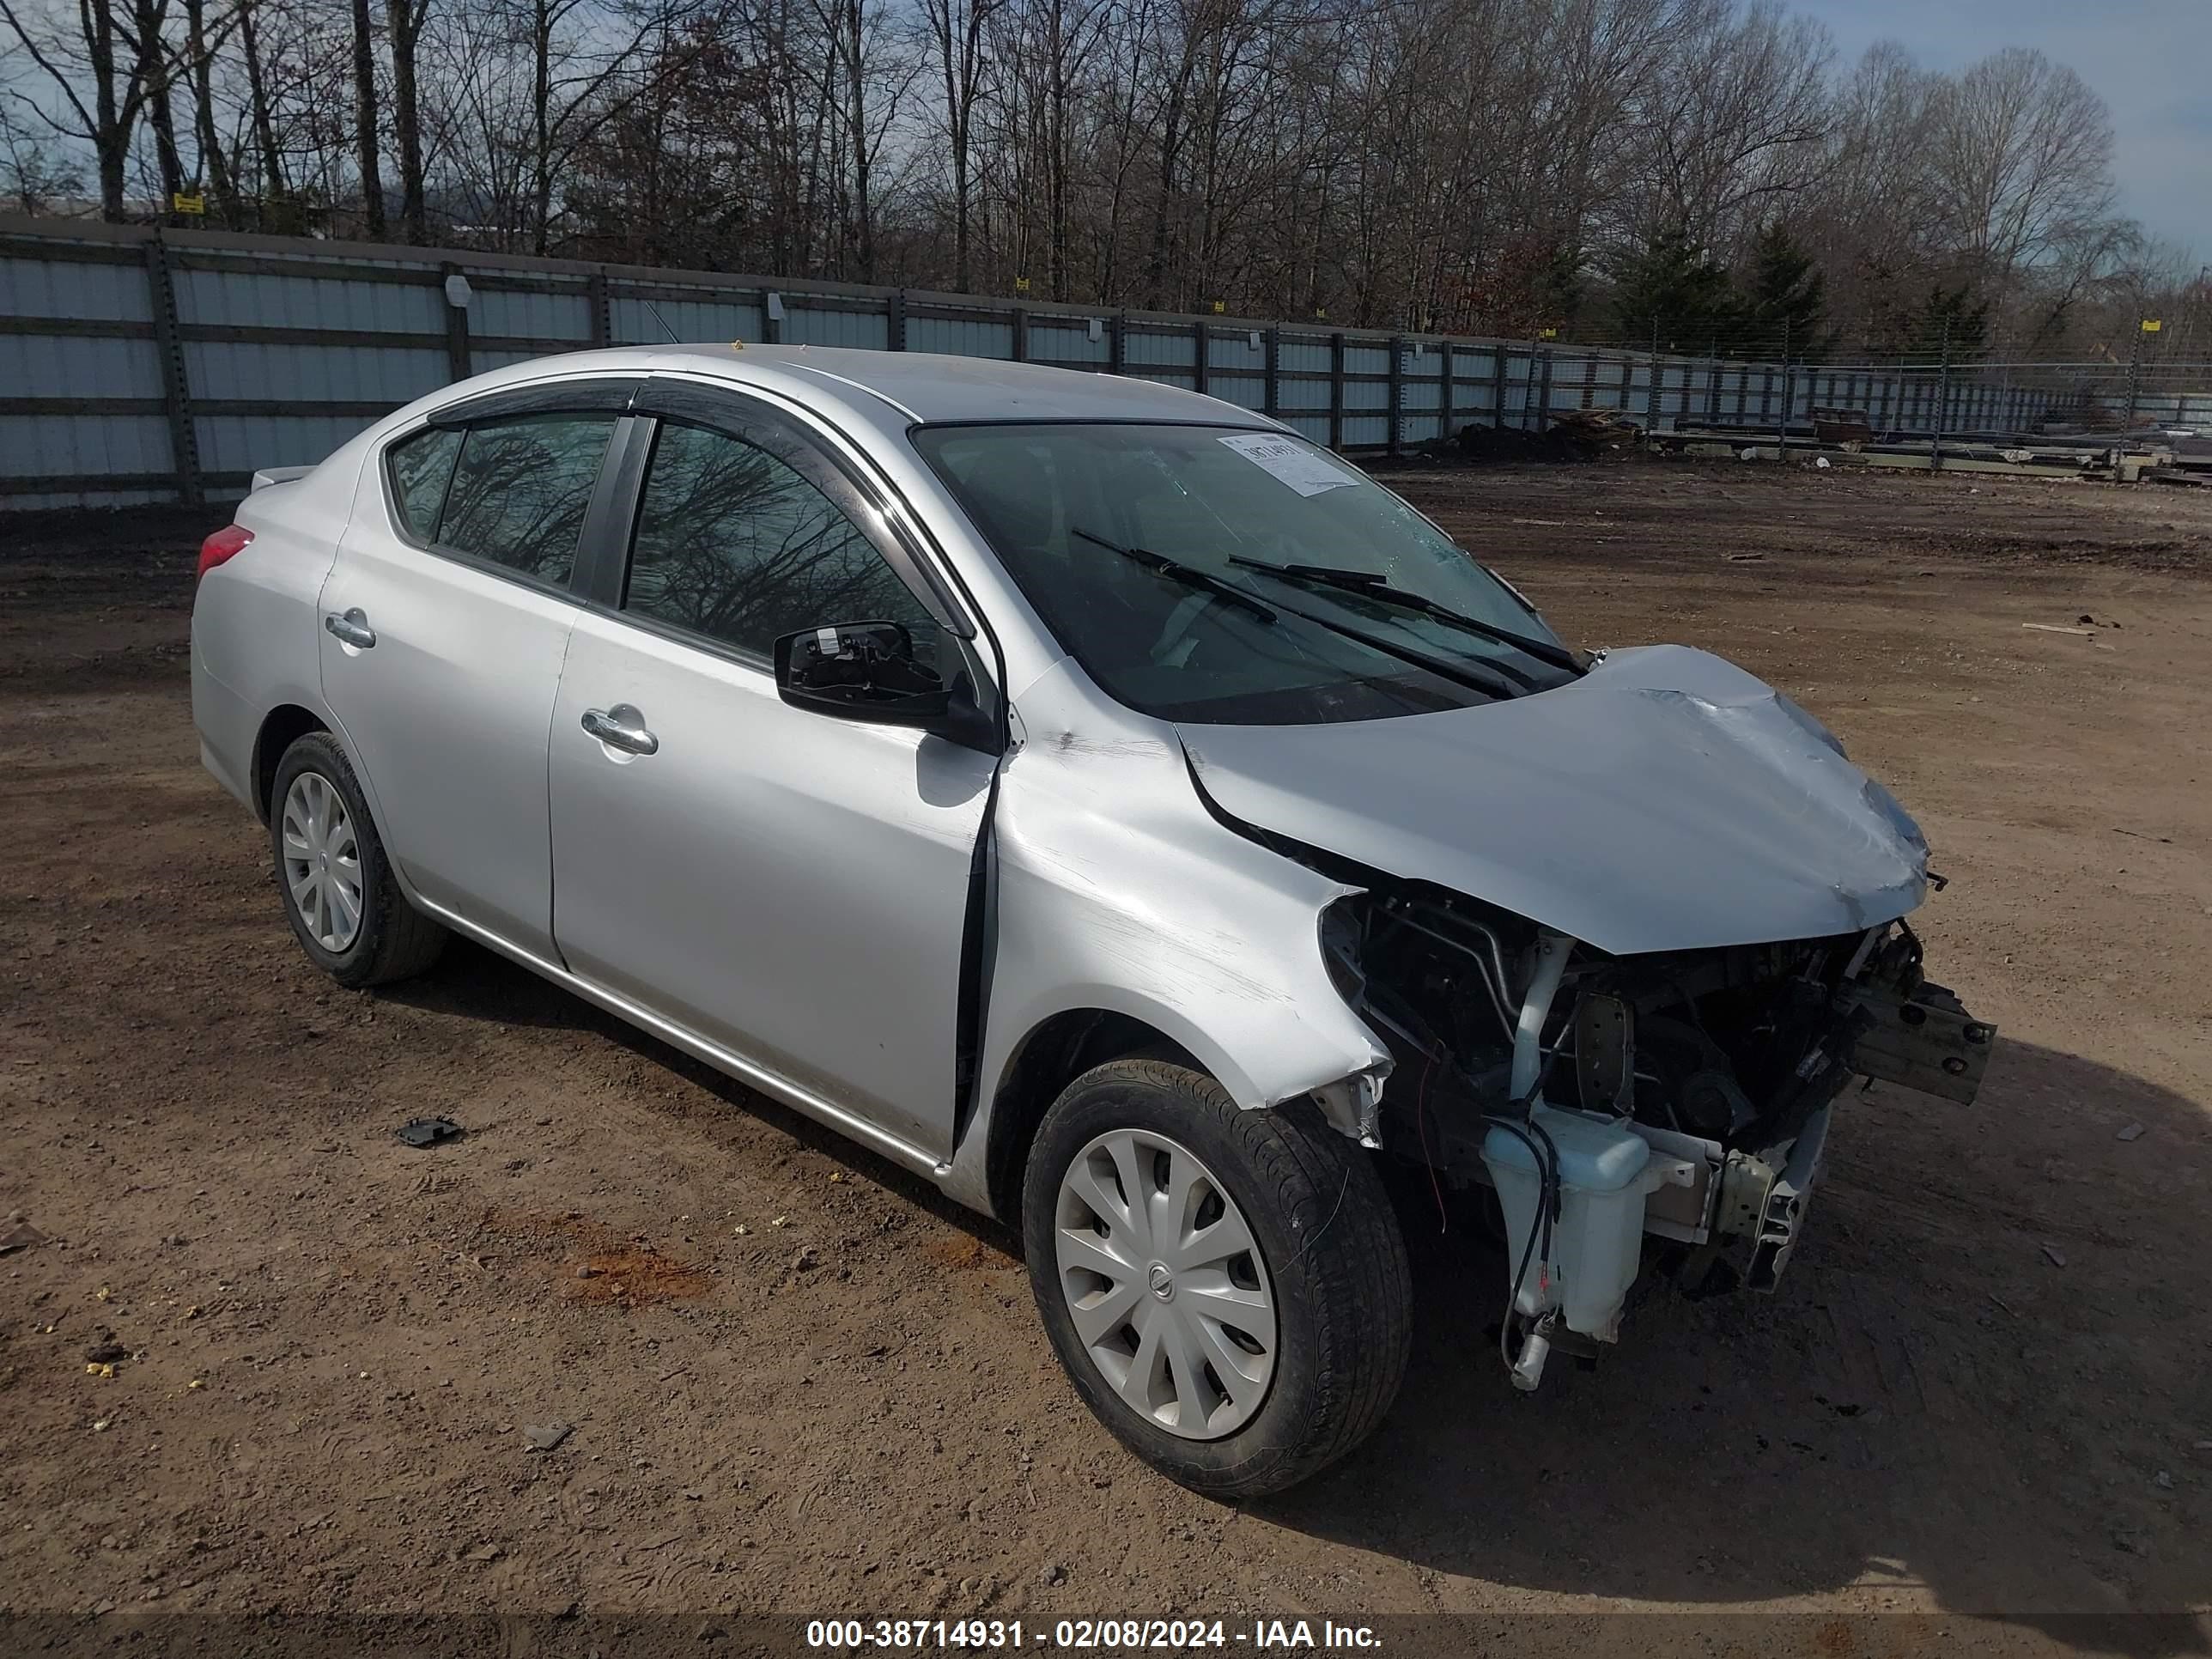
(1579, 435)
(1842, 427)
(1596, 426)
(1836, 436)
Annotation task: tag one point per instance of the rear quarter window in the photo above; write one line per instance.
(421, 467)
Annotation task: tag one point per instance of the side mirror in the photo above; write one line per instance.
(865, 672)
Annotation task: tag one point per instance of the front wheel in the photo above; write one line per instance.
(1227, 1290)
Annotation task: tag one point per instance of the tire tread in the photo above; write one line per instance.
(1351, 1270)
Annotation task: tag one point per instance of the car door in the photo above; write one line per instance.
(445, 619)
(791, 888)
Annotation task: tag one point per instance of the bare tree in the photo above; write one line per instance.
(957, 33)
(2024, 151)
(1735, 123)
(100, 68)
(34, 177)
(365, 119)
(1481, 165)
(275, 186)
(404, 22)
(214, 169)
(1043, 45)
(866, 77)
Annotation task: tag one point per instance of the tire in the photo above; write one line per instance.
(390, 938)
(1326, 1256)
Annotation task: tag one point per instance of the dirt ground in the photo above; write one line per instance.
(800, 1380)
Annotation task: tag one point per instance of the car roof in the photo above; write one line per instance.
(933, 386)
(896, 389)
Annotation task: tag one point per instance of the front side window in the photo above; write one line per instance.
(733, 543)
(517, 493)
(1206, 575)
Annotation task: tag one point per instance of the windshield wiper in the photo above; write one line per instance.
(1188, 574)
(1373, 586)
(1492, 679)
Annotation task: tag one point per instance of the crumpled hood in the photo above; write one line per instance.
(1667, 801)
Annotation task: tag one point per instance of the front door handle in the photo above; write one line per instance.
(352, 629)
(621, 727)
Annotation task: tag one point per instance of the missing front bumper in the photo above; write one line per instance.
(1926, 1041)
(1782, 1210)
(1743, 1211)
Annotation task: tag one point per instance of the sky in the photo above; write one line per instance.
(2150, 60)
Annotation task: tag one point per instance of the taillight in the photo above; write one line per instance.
(226, 543)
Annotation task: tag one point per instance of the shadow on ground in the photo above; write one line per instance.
(472, 983)
(1898, 1415)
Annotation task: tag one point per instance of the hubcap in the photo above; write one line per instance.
(1166, 1284)
(322, 860)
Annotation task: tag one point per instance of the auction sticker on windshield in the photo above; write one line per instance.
(1303, 469)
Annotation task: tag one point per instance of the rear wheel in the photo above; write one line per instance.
(339, 894)
(1227, 1290)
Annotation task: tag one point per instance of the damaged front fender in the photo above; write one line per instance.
(1117, 891)
(1353, 1105)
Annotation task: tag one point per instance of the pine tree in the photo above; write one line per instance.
(1556, 286)
(1786, 304)
(1671, 289)
(1952, 324)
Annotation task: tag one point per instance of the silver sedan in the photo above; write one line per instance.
(1096, 797)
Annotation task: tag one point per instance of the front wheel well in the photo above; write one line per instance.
(282, 727)
(1059, 1051)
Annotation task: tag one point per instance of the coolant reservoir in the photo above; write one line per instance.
(1597, 1243)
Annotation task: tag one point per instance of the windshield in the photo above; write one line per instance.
(1247, 578)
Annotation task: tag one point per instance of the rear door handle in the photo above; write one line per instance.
(621, 727)
(352, 629)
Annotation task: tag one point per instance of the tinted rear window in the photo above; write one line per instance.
(519, 491)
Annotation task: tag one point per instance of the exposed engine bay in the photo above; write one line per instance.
(1669, 1107)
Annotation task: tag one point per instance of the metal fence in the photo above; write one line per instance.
(139, 365)
(2142, 399)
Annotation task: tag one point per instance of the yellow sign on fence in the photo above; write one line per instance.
(2151, 326)
(181, 203)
